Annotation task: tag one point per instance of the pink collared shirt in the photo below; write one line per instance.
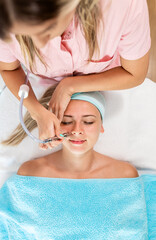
(125, 32)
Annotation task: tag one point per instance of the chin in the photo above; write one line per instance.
(78, 151)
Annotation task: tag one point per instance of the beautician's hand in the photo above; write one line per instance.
(61, 97)
(49, 126)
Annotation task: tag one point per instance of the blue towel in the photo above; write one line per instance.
(37, 208)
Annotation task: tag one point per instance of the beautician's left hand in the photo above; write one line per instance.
(61, 97)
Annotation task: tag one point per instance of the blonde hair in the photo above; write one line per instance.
(89, 16)
(29, 51)
(19, 134)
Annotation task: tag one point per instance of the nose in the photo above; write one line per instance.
(77, 130)
(77, 133)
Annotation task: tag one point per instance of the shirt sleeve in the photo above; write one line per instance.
(6, 54)
(135, 41)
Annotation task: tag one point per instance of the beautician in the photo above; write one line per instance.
(87, 45)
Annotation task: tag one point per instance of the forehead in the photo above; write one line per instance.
(80, 107)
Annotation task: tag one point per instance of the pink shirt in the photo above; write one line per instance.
(125, 33)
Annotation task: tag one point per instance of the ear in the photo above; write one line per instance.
(102, 129)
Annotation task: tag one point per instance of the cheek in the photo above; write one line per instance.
(66, 128)
(93, 131)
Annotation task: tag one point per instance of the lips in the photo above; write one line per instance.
(77, 141)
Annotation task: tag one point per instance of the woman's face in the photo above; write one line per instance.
(82, 119)
(52, 28)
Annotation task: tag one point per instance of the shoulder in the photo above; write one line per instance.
(127, 170)
(114, 168)
(40, 167)
(30, 167)
(122, 10)
(108, 5)
(10, 51)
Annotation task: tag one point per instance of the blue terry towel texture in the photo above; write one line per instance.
(37, 208)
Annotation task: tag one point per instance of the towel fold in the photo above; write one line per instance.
(38, 208)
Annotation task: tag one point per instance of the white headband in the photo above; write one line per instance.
(96, 98)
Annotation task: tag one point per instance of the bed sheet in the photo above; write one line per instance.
(130, 128)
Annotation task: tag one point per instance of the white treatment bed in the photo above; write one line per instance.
(130, 129)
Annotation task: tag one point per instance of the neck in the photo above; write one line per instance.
(77, 163)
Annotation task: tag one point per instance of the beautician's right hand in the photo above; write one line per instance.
(48, 126)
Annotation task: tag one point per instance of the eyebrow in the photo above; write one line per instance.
(49, 27)
(82, 116)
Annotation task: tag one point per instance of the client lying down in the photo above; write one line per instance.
(77, 193)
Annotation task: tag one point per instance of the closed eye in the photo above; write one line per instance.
(88, 122)
(66, 123)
